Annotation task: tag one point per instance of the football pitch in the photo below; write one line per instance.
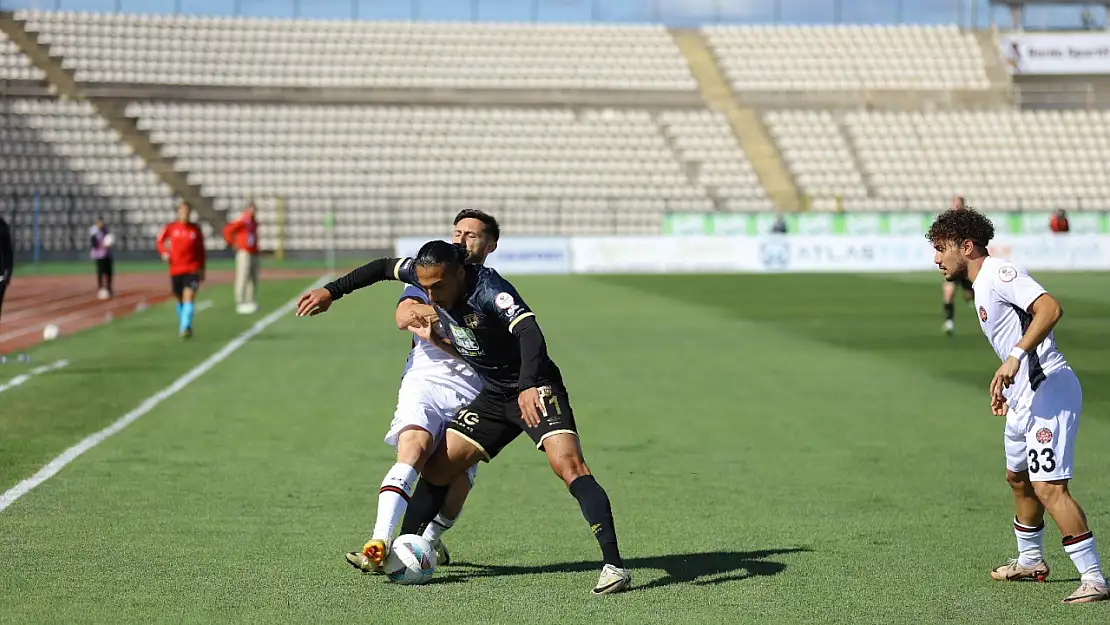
(793, 448)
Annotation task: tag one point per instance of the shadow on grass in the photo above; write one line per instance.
(701, 569)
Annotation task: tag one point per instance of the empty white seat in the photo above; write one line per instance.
(249, 51)
(848, 58)
(14, 65)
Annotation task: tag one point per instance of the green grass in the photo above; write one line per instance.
(777, 449)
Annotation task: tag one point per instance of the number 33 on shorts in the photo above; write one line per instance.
(1047, 454)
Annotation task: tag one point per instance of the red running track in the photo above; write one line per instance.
(70, 302)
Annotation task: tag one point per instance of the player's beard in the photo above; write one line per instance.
(959, 272)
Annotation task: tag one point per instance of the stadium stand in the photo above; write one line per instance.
(399, 170)
(66, 154)
(327, 53)
(1004, 159)
(14, 65)
(828, 58)
(818, 155)
(691, 140)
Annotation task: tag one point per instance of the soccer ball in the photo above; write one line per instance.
(50, 332)
(411, 560)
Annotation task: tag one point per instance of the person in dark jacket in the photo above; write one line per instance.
(7, 259)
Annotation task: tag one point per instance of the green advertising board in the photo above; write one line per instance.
(908, 223)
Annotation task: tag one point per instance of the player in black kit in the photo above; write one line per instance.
(489, 326)
(7, 255)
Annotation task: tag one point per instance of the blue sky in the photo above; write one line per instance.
(676, 12)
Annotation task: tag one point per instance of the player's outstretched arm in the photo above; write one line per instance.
(533, 351)
(318, 301)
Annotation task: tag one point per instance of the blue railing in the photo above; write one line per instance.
(966, 13)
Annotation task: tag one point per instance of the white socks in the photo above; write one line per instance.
(393, 500)
(1083, 553)
(1030, 542)
(437, 527)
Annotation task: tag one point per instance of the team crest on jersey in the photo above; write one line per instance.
(504, 301)
(1044, 436)
(471, 320)
(982, 314)
(1007, 273)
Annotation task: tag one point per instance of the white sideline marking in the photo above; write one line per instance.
(57, 464)
(205, 305)
(20, 379)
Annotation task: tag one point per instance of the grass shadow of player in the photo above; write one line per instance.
(701, 569)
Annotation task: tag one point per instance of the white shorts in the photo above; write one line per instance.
(1041, 438)
(430, 406)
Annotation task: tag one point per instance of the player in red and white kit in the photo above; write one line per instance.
(1038, 393)
(181, 243)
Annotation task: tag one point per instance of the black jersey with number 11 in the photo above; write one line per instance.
(480, 327)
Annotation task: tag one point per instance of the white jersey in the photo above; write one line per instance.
(1003, 294)
(432, 364)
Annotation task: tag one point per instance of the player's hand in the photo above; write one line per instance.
(424, 327)
(1004, 377)
(314, 302)
(999, 407)
(166, 257)
(531, 406)
(200, 275)
(422, 315)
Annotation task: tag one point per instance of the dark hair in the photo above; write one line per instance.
(438, 252)
(493, 229)
(956, 225)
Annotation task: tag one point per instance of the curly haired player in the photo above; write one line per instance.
(1037, 392)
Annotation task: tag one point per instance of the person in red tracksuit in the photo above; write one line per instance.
(181, 243)
(242, 235)
(1059, 221)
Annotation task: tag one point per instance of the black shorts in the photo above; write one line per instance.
(493, 420)
(185, 281)
(104, 266)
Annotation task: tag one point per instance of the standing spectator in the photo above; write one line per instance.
(7, 258)
(1059, 221)
(101, 251)
(779, 226)
(242, 234)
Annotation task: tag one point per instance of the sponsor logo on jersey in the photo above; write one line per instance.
(464, 340)
(504, 301)
(1007, 273)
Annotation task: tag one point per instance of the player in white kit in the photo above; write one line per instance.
(1035, 390)
(434, 386)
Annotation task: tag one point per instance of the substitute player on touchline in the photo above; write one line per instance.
(1038, 393)
(181, 243)
(434, 386)
(497, 334)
